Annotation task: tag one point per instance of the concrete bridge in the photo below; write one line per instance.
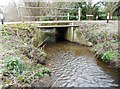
(54, 29)
(61, 25)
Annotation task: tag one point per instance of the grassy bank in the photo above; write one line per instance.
(23, 63)
(105, 45)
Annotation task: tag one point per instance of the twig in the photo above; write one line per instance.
(43, 47)
(98, 51)
(42, 42)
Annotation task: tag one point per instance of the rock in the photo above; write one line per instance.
(89, 44)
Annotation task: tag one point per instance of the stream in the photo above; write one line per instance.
(73, 65)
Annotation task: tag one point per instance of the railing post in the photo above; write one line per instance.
(79, 13)
(68, 15)
(108, 17)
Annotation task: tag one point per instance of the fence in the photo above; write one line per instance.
(56, 13)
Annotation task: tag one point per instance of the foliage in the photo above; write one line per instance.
(36, 55)
(88, 8)
(113, 44)
(4, 31)
(105, 44)
(107, 51)
(109, 55)
(73, 14)
(97, 47)
(97, 37)
(116, 18)
(22, 26)
(24, 31)
(15, 72)
(14, 65)
(43, 53)
(111, 6)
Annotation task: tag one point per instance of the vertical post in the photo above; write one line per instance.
(97, 17)
(18, 12)
(1, 18)
(56, 13)
(79, 13)
(72, 32)
(68, 15)
(111, 17)
(108, 17)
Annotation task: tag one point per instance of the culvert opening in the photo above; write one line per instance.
(54, 35)
(60, 34)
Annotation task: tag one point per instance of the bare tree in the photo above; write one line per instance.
(51, 10)
(111, 6)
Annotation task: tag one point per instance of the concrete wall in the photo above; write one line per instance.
(47, 35)
(70, 34)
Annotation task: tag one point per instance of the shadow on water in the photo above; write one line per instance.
(114, 73)
(63, 46)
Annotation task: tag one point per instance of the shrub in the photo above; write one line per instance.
(43, 53)
(97, 37)
(14, 65)
(109, 55)
(23, 27)
(105, 46)
(97, 47)
(5, 31)
(15, 72)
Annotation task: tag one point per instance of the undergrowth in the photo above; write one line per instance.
(17, 73)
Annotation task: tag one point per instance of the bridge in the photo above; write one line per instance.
(60, 19)
(57, 26)
(62, 29)
(55, 21)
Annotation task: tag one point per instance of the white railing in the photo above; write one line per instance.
(65, 16)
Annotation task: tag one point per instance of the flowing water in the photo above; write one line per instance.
(73, 65)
